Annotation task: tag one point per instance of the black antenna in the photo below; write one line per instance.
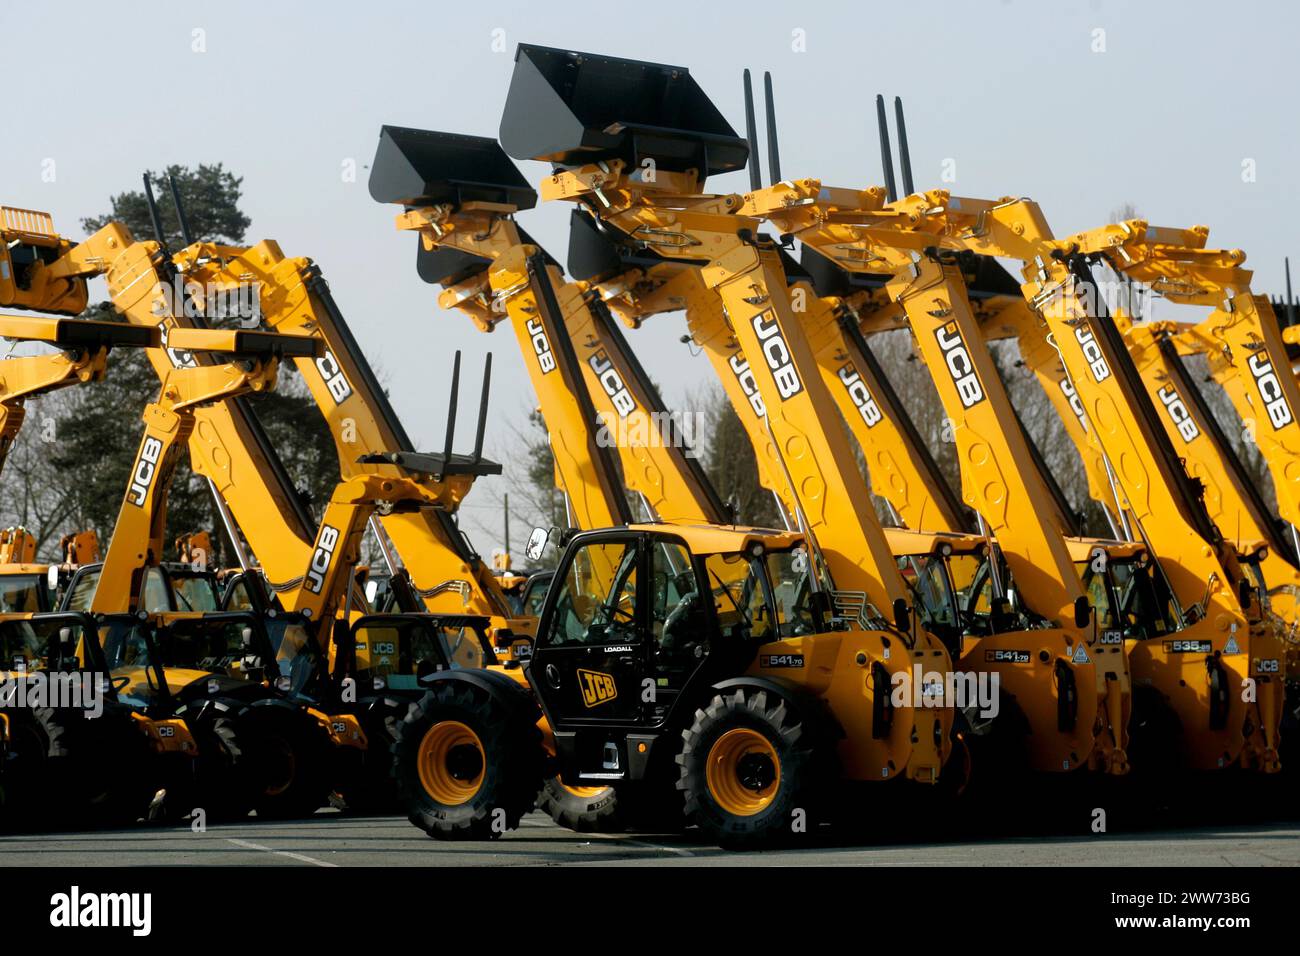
(483, 409)
(153, 215)
(451, 409)
(886, 155)
(755, 171)
(1290, 300)
(180, 210)
(904, 155)
(773, 151)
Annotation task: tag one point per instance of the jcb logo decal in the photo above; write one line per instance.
(860, 395)
(1076, 404)
(612, 383)
(1178, 413)
(335, 380)
(178, 358)
(321, 558)
(145, 469)
(745, 376)
(597, 688)
(1092, 354)
(541, 345)
(777, 354)
(1270, 390)
(960, 367)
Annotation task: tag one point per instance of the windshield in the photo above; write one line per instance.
(195, 593)
(927, 578)
(788, 572)
(1144, 598)
(23, 593)
(400, 652)
(41, 643)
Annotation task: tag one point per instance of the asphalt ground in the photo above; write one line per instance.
(332, 839)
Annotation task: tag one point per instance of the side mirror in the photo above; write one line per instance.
(902, 615)
(372, 588)
(1082, 612)
(537, 542)
(1245, 592)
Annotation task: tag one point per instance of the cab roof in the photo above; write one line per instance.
(1081, 549)
(904, 541)
(724, 539)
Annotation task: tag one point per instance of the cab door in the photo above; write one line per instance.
(590, 659)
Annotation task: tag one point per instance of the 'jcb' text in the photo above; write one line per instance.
(612, 383)
(597, 688)
(1178, 413)
(321, 558)
(145, 468)
(960, 367)
(1092, 354)
(1270, 390)
(541, 345)
(777, 354)
(335, 380)
(748, 384)
(861, 396)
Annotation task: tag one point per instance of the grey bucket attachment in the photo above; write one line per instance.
(417, 167)
(577, 108)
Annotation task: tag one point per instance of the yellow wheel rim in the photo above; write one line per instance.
(743, 772)
(451, 763)
(583, 793)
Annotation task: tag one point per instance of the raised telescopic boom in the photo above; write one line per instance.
(1158, 501)
(138, 536)
(635, 158)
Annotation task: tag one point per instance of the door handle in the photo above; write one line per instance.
(553, 676)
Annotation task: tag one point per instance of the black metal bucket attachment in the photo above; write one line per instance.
(418, 167)
(576, 108)
(598, 253)
(830, 279)
(449, 267)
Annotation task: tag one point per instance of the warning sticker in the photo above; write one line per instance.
(1081, 655)
(1231, 647)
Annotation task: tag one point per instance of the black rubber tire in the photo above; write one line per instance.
(801, 758)
(598, 813)
(513, 761)
(369, 786)
(222, 785)
(290, 761)
(70, 769)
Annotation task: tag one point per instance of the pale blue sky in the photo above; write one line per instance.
(287, 92)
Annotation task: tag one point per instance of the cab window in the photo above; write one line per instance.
(464, 647)
(788, 572)
(926, 576)
(739, 601)
(22, 593)
(194, 593)
(21, 648)
(597, 599)
(676, 611)
(83, 590)
(155, 597)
